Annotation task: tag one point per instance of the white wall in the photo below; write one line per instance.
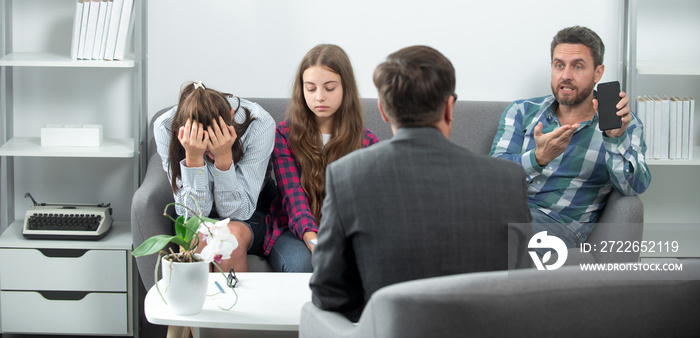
(500, 49)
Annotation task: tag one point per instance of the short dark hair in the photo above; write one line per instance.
(414, 83)
(584, 36)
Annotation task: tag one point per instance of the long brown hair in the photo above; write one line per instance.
(304, 135)
(203, 105)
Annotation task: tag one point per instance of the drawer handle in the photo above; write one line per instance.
(67, 253)
(63, 295)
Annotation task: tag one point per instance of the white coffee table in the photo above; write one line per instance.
(269, 304)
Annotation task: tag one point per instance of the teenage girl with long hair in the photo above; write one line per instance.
(216, 150)
(324, 124)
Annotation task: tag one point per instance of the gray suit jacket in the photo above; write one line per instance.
(411, 207)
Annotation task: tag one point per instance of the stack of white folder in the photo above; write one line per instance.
(668, 126)
(101, 29)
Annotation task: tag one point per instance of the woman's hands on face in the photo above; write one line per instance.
(221, 138)
(195, 140)
(216, 141)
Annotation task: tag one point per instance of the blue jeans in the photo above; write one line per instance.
(290, 254)
(256, 223)
(542, 222)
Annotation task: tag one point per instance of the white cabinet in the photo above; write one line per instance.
(663, 58)
(67, 287)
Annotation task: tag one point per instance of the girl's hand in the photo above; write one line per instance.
(194, 139)
(221, 138)
(308, 236)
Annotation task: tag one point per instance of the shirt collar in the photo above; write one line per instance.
(550, 105)
(416, 132)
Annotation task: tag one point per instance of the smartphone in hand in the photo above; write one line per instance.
(608, 97)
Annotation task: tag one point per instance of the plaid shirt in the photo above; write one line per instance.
(573, 188)
(290, 208)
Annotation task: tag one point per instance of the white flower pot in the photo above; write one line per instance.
(184, 286)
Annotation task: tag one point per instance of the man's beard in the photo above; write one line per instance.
(572, 101)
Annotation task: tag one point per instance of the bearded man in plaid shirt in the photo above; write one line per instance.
(571, 165)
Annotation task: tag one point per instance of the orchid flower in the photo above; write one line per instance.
(220, 242)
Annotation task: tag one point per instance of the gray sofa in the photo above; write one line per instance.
(475, 124)
(566, 302)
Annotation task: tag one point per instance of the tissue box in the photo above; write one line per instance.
(71, 135)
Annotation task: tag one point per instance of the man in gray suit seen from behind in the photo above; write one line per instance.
(417, 205)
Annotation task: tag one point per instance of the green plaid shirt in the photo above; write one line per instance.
(574, 187)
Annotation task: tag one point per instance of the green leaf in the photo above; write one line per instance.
(180, 230)
(192, 225)
(186, 231)
(155, 244)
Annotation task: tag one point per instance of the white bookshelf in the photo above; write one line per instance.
(694, 161)
(40, 59)
(40, 84)
(665, 67)
(31, 146)
(661, 59)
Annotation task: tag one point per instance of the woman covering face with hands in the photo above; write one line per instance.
(216, 150)
(215, 142)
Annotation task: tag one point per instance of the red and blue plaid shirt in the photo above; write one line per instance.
(290, 208)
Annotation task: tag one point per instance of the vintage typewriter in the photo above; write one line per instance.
(67, 221)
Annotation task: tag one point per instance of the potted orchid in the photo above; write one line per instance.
(186, 273)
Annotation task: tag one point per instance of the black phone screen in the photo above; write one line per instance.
(608, 97)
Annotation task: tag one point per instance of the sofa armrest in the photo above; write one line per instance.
(622, 209)
(621, 220)
(147, 218)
